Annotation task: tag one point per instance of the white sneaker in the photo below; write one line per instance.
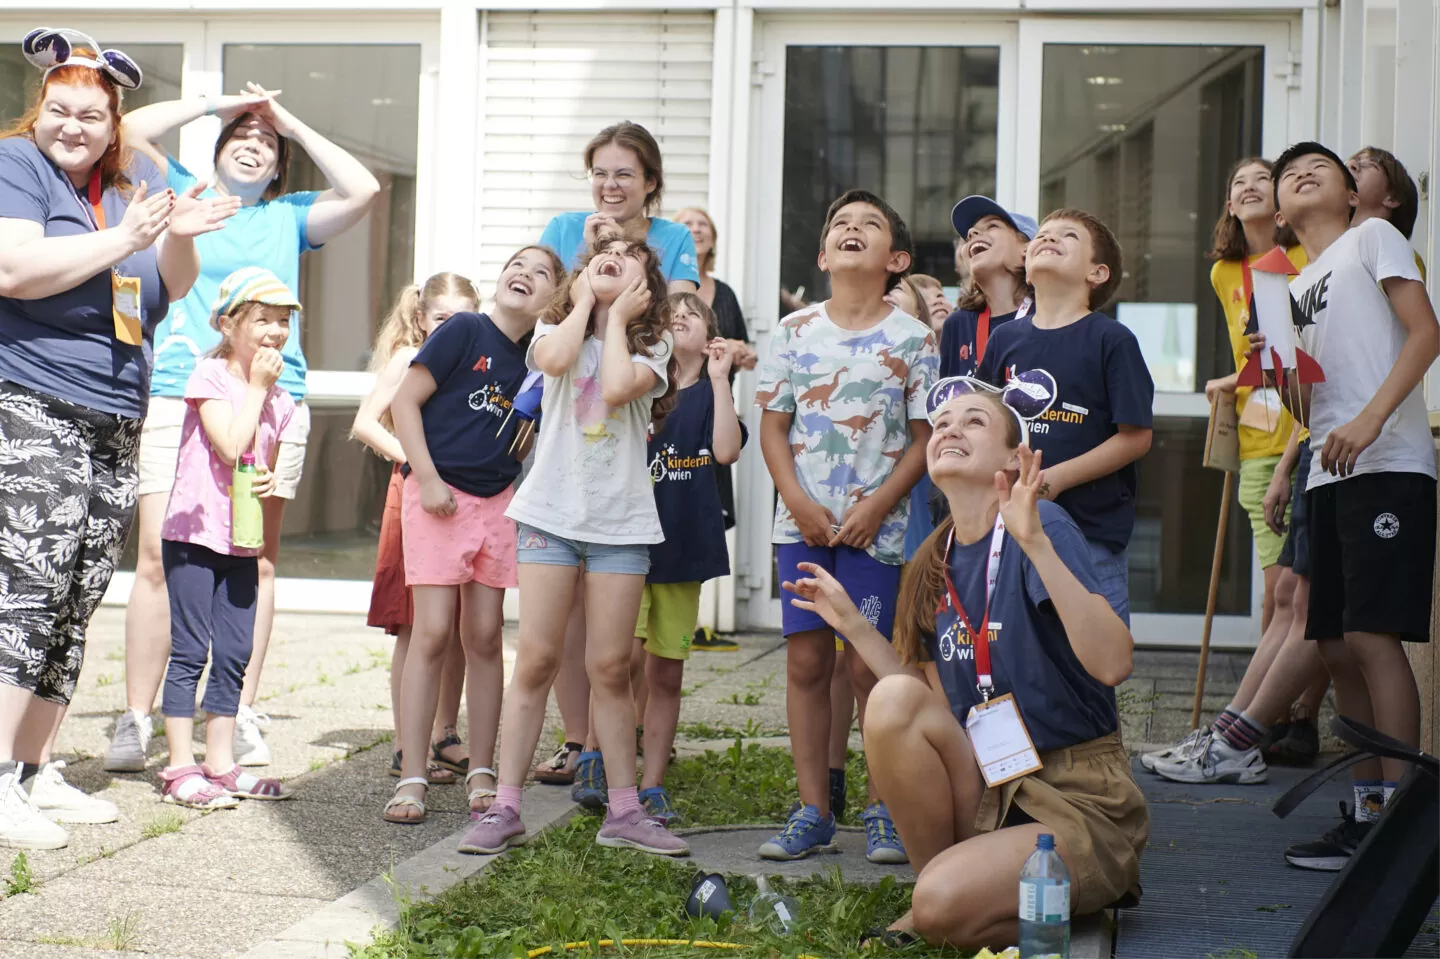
(127, 747)
(21, 825)
(58, 800)
(250, 748)
(1217, 762)
(1181, 750)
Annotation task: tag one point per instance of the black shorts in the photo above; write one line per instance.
(1295, 554)
(1372, 556)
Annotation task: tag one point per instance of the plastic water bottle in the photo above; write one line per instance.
(772, 910)
(1044, 903)
(247, 520)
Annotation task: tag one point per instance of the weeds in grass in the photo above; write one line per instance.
(21, 878)
(749, 699)
(354, 668)
(319, 763)
(122, 932)
(324, 680)
(104, 679)
(751, 730)
(166, 822)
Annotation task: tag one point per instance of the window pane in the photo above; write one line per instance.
(365, 98)
(913, 124)
(161, 63)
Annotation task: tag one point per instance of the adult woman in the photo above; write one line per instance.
(1060, 651)
(272, 230)
(627, 181)
(717, 293)
(87, 268)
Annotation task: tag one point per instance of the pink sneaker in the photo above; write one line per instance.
(635, 830)
(494, 832)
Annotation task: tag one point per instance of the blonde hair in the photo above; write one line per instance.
(707, 262)
(243, 312)
(403, 326)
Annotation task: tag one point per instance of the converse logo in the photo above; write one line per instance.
(1387, 525)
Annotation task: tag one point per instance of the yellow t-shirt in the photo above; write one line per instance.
(1228, 279)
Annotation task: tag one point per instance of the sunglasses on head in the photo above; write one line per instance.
(49, 48)
(1014, 397)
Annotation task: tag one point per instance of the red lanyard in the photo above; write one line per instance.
(979, 641)
(982, 328)
(94, 194)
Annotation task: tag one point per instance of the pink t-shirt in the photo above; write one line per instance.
(199, 509)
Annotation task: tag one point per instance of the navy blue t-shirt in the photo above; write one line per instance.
(477, 371)
(683, 469)
(1082, 381)
(64, 345)
(957, 341)
(1030, 654)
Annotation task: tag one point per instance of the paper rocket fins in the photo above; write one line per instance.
(1274, 313)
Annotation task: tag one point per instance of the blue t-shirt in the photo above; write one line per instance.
(271, 234)
(565, 234)
(957, 341)
(64, 345)
(687, 496)
(1088, 378)
(477, 370)
(1030, 654)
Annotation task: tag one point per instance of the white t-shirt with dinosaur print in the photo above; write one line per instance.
(853, 393)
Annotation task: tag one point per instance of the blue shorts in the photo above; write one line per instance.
(538, 546)
(873, 585)
(1112, 573)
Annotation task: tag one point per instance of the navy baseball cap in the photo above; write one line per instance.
(973, 209)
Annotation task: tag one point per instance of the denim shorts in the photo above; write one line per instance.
(538, 546)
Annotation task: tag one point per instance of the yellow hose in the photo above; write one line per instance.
(696, 943)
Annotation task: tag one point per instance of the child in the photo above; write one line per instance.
(907, 298)
(1384, 189)
(992, 241)
(232, 407)
(1364, 316)
(932, 301)
(1089, 389)
(702, 435)
(450, 417)
(843, 433)
(609, 372)
(417, 313)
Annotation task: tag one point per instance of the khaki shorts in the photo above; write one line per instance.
(1086, 796)
(667, 618)
(160, 447)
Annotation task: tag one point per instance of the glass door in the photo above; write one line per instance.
(912, 109)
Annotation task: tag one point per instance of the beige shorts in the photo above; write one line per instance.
(160, 447)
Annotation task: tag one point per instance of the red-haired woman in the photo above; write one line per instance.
(93, 248)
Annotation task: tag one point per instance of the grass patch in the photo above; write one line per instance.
(122, 932)
(21, 878)
(751, 730)
(166, 822)
(747, 783)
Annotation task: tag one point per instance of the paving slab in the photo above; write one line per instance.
(731, 850)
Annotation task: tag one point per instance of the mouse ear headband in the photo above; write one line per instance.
(1027, 396)
(49, 48)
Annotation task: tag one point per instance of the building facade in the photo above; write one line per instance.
(474, 119)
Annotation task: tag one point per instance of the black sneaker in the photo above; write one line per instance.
(706, 640)
(1273, 735)
(1299, 747)
(1334, 850)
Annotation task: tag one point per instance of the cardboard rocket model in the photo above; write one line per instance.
(526, 406)
(1275, 314)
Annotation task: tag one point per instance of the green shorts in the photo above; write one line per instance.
(667, 618)
(1255, 475)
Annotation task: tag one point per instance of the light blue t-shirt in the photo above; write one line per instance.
(270, 234)
(565, 234)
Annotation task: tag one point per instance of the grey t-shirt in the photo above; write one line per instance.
(65, 345)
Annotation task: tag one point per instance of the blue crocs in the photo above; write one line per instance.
(658, 806)
(590, 790)
(882, 842)
(805, 834)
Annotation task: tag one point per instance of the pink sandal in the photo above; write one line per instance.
(189, 786)
(244, 785)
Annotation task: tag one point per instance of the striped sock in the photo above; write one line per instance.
(623, 800)
(1224, 720)
(1369, 799)
(1243, 733)
(507, 796)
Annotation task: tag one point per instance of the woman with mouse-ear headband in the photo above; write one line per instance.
(93, 247)
(1001, 637)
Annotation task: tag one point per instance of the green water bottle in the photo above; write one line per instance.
(247, 521)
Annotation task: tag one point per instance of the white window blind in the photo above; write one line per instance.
(554, 80)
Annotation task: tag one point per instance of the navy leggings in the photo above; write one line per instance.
(212, 606)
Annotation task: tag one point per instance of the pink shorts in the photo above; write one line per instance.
(474, 545)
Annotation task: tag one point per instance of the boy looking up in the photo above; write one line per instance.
(843, 433)
(1087, 392)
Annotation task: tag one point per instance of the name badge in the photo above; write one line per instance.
(125, 294)
(1002, 744)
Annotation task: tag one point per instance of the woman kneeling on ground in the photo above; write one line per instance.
(1059, 653)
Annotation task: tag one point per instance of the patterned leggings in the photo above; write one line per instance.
(68, 479)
